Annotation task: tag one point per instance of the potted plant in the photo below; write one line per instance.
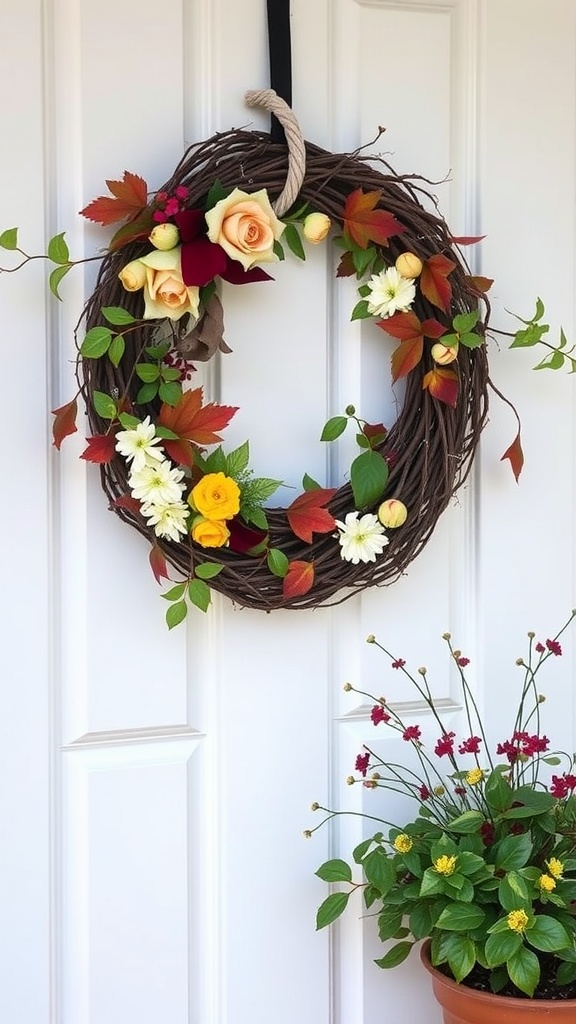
(486, 869)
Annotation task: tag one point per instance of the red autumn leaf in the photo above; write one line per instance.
(158, 564)
(181, 452)
(403, 326)
(65, 422)
(442, 384)
(136, 229)
(101, 448)
(406, 357)
(298, 580)
(433, 328)
(479, 283)
(127, 502)
(516, 456)
(129, 197)
(346, 266)
(466, 239)
(306, 514)
(434, 283)
(371, 430)
(364, 224)
(195, 422)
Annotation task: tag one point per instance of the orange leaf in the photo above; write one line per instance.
(158, 564)
(442, 384)
(129, 197)
(137, 228)
(403, 326)
(434, 282)
(194, 422)
(516, 456)
(306, 514)
(65, 422)
(101, 448)
(466, 239)
(433, 328)
(406, 356)
(298, 580)
(127, 502)
(346, 266)
(181, 452)
(480, 284)
(363, 223)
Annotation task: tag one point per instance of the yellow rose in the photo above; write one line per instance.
(133, 276)
(316, 226)
(165, 293)
(216, 497)
(246, 227)
(210, 533)
(392, 513)
(164, 236)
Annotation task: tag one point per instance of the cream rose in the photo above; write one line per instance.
(133, 276)
(165, 293)
(246, 227)
(316, 227)
(164, 236)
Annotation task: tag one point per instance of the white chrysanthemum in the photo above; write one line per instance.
(139, 445)
(168, 520)
(157, 485)
(390, 293)
(361, 539)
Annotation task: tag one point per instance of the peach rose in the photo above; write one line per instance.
(216, 496)
(246, 227)
(210, 533)
(444, 354)
(165, 293)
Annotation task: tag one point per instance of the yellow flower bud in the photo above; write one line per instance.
(474, 776)
(445, 865)
(546, 883)
(392, 513)
(439, 790)
(315, 227)
(403, 843)
(444, 354)
(133, 276)
(555, 867)
(164, 236)
(409, 265)
(517, 920)
(371, 639)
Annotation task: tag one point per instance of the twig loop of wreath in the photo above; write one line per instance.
(431, 446)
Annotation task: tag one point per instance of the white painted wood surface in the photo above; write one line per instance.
(155, 787)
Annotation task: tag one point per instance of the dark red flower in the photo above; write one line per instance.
(516, 828)
(463, 662)
(399, 663)
(540, 648)
(445, 744)
(412, 733)
(470, 746)
(563, 785)
(378, 714)
(460, 791)
(362, 762)
(554, 647)
(487, 832)
(425, 793)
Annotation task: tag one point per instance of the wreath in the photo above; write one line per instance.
(234, 205)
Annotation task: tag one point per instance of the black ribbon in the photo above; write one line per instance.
(280, 59)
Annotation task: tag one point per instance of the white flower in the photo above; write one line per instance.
(168, 520)
(157, 485)
(390, 293)
(361, 538)
(139, 445)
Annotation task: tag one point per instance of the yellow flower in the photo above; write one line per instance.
(403, 843)
(216, 496)
(438, 790)
(315, 227)
(555, 867)
(474, 776)
(445, 865)
(133, 276)
(546, 883)
(517, 920)
(210, 533)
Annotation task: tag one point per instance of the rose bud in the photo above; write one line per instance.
(316, 226)
(444, 354)
(133, 276)
(164, 236)
(409, 265)
(392, 513)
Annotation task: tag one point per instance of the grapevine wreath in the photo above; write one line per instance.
(235, 204)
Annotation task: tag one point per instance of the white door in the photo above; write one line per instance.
(155, 786)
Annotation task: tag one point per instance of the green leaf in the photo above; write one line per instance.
(238, 460)
(547, 934)
(292, 238)
(147, 393)
(497, 791)
(331, 908)
(170, 373)
(368, 476)
(157, 351)
(58, 250)
(529, 336)
(421, 920)
(555, 361)
(333, 428)
(467, 822)
(199, 594)
(389, 921)
(513, 892)
(116, 350)
(117, 315)
(278, 250)
(56, 277)
(432, 883)
(9, 238)
(513, 852)
(361, 311)
(396, 955)
(362, 258)
(277, 562)
(104, 405)
(524, 970)
(500, 946)
(208, 570)
(359, 852)
(255, 515)
(309, 484)
(379, 869)
(176, 614)
(130, 422)
(460, 917)
(96, 342)
(335, 871)
(216, 192)
(464, 322)
(258, 490)
(170, 392)
(147, 372)
(462, 960)
(471, 340)
(175, 593)
(566, 973)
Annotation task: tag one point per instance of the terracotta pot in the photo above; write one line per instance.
(462, 1005)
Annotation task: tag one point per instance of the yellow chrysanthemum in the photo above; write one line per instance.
(517, 920)
(546, 883)
(403, 843)
(474, 776)
(445, 865)
(555, 867)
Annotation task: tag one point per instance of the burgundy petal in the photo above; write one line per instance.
(190, 224)
(234, 273)
(244, 538)
(202, 261)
